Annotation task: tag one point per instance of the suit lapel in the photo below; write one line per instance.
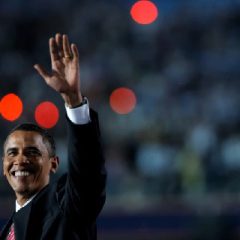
(6, 228)
(21, 222)
(36, 217)
(29, 220)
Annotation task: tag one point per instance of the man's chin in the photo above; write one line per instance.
(22, 191)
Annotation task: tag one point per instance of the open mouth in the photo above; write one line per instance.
(20, 173)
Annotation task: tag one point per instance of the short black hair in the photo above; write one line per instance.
(31, 127)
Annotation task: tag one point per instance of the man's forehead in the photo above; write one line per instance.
(24, 136)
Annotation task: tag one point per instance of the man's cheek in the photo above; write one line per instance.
(4, 170)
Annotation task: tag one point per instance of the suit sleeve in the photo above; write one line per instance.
(86, 178)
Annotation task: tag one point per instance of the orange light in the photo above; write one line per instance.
(123, 100)
(144, 12)
(11, 107)
(46, 114)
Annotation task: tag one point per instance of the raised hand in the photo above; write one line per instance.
(65, 75)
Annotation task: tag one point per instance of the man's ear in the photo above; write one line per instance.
(54, 164)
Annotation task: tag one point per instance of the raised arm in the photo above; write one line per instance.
(84, 189)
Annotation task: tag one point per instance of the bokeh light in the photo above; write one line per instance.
(123, 100)
(46, 114)
(11, 107)
(144, 12)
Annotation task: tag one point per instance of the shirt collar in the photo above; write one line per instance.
(18, 206)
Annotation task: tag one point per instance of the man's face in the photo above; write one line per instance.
(26, 162)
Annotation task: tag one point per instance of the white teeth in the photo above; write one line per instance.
(21, 173)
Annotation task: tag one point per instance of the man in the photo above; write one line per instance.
(66, 209)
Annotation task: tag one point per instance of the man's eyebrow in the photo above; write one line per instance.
(32, 148)
(11, 149)
(27, 148)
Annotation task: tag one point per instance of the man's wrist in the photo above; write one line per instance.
(83, 102)
(72, 100)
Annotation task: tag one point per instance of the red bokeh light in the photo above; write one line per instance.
(11, 107)
(144, 12)
(123, 100)
(46, 114)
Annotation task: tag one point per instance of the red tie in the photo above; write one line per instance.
(11, 235)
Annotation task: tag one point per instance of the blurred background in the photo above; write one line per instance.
(173, 161)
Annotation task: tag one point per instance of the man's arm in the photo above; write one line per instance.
(86, 180)
(85, 188)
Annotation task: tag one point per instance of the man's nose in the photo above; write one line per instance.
(21, 159)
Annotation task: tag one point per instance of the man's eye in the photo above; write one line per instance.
(11, 154)
(33, 153)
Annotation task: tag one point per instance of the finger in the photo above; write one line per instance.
(58, 39)
(66, 47)
(53, 50)
(42, 72)
(75, 51)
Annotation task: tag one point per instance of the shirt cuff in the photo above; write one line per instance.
(79, 115)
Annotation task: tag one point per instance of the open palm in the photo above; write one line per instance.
(65, 75)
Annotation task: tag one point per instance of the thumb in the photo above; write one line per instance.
(41, 71)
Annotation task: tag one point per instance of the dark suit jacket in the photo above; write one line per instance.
(67, 209)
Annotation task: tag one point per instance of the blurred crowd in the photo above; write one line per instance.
(182, 141)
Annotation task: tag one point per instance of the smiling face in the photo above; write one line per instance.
(27, 164)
